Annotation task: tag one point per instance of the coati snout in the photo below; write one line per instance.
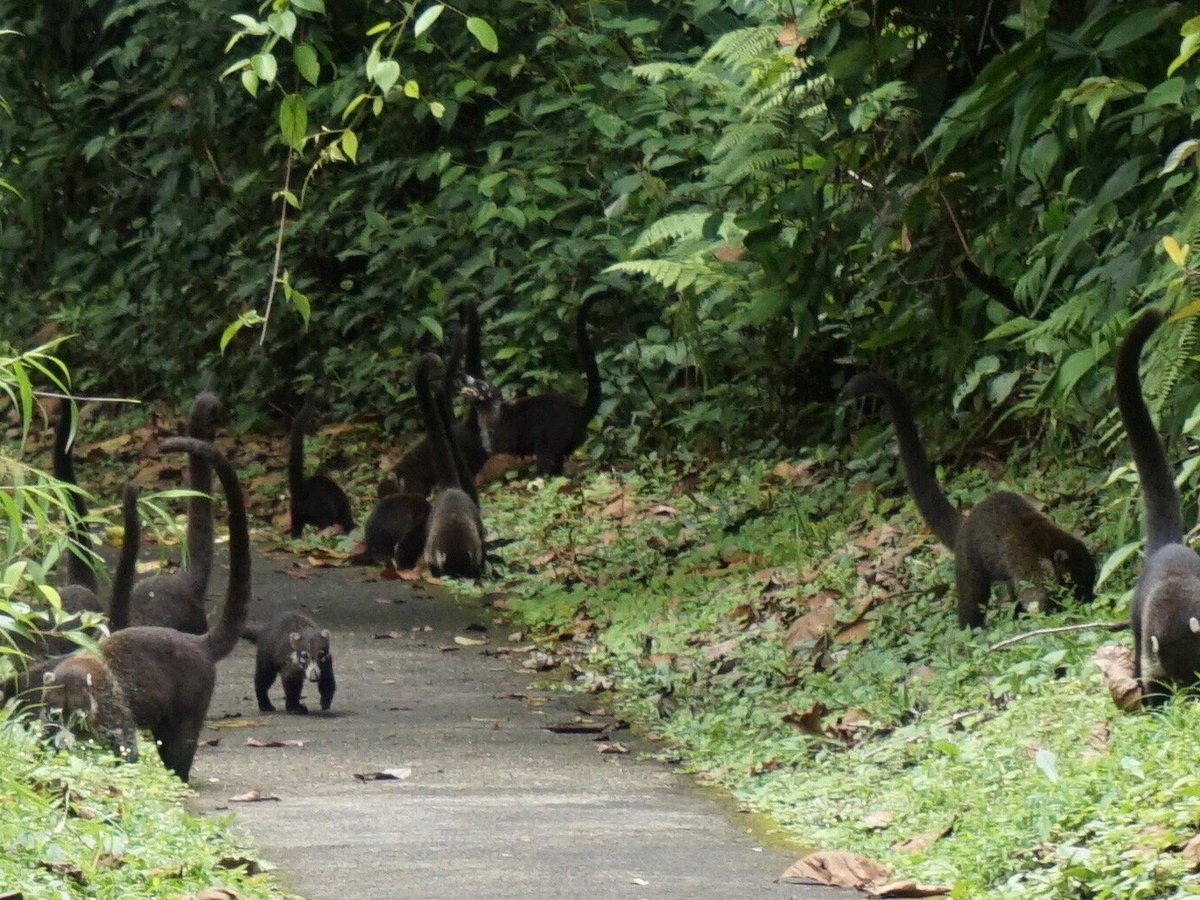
(309, 652)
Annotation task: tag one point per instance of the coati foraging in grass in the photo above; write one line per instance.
(1003, 539)
(176, 599)
(415, 472)
(546, 426)
(316, 500)
(167, 676)
(79, 589)
(454, 534)
(1165, 616)
(295, 649)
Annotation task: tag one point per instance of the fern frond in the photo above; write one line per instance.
(754, 164)
(743, 46)
(674, 227)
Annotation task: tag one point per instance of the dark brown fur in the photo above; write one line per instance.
(1003, 539)
(293, 648)
(548, 427)
(316, 500)
(395, 530)
(177, 599)
(1165, 616)
(167, 676)
(454, 537)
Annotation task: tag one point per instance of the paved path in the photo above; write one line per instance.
(492, 805)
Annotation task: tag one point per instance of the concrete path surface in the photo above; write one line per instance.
(488, 803)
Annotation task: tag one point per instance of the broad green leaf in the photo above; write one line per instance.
(427, 18)
(1177, 253)
(350, 144)
(386, 74)
(483, 33)
(412, 89)
(437, 109)
(432, 325)
(245, 320)
(251, 24)
(283, 23)
(312, 6)
(1114, 561)
(1137, 25)
(250, 82)
(264, 66)
(293, 120)
(305, 58)
(1181, 152)
(379, 28)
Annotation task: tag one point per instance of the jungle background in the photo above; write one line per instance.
(974, 197)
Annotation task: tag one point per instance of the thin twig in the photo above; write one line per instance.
(287, 182)
(1061, 629)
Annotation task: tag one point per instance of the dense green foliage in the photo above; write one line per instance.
(968, 194)
(791, 635)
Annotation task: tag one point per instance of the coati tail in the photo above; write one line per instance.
(221, 638)
(444, 466)
(939, 514)
(78, 571)
(587, 359)
(202, 425)
(295, 469)
(1164, 517)
(123, 576)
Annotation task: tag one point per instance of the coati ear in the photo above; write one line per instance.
(294, 637)
(325, 633)
(47, 678)
(88, 679)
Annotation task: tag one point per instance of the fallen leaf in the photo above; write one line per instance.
(252, 797)
(540, 661)
(577, 726)
(720, 650)
(209, 742)
(918, 843)
(835, 868)
(807, 721)
(69, 870)
(1115, 662)
(218, 892)
(879, 819)
(255, 742)
(297, 574)
(1191, 852)
(468, 642)
(252, 866)
(386, 775)
(612, 747)
(542, 558)
(907, 888)
(235, 723)
(822, 614)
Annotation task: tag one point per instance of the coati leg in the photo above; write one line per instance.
(972, 587)
(326, 685)
(264, 677)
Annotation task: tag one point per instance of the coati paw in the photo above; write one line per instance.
(266, 707)
(299, 708)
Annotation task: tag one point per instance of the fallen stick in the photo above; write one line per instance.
(1060, 629)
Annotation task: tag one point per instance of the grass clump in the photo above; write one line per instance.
(83, 824)
(790, 634)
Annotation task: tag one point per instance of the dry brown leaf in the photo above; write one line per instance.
(918, 843)
(1115, 662)
(907, 888)
(542, 558)
(252, 797)
(881, 818)
(807, 721)
(399, 774)
(540, 661)
(729, 253)
(1191, 852)
(612, 747)
(255, 742)
(819, 619)
(859, 631)
(234, 723)
(1098, 741)
(722, 649)
(218, 892)
(836, 868)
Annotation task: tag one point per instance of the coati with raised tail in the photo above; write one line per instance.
(1165, 616)
(80, 586)
(415, 472)
(316, 500)
(454, 534)
(1004, 538)
(177, 599)
(546, 426)
(167, 676)
(295, 649)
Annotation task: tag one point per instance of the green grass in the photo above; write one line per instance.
(81, 824)
(1041, 787)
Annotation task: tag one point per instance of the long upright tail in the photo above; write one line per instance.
(295, 469)
(939, 514)
(469, 316)
(122, 586)
(587, 359)
(78, 571)
(202, 425)
(1164, 517)
(223, 636)
(440, 446)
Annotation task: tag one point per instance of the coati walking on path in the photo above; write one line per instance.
(1165, 616)
(395, 529)
(546, 426)
(295, 649)
(80, 586)
(415, 472)
(176, 599)
(1003, 539)
(166, 676)
(454, 534)
(316, 500)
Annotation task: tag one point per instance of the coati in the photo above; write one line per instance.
(295, 649)
(546, 426)
(1165, 616)
(1003, 539)
(316, 500)
(415, 472)
(166, 676)
(176, 599)
(395, 529)
(454, 534)
(80, 586)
